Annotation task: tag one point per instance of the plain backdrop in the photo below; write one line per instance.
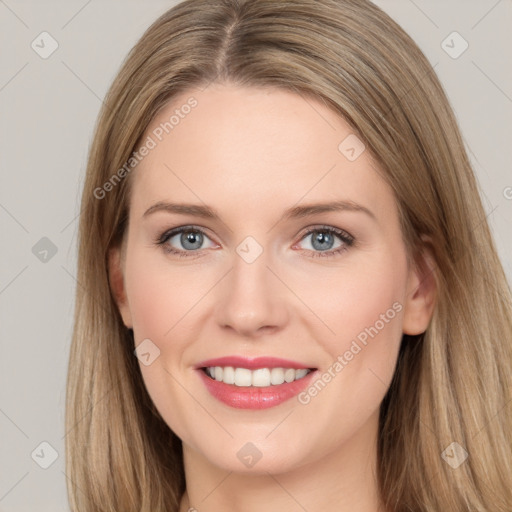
(48, 111)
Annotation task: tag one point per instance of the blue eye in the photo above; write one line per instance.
(191, 240)
(323, 239)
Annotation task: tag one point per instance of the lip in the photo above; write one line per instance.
(253, 363)
(256, 398)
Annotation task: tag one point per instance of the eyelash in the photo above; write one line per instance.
(348, 240)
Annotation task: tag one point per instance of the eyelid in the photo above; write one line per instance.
(326, 227)
(169, 233)
(162, 239)
(347, 240)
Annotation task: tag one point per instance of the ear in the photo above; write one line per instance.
(116, 280)
(421, 292)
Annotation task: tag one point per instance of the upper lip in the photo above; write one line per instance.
(253, 363)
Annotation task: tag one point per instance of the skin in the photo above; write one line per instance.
(251, 153)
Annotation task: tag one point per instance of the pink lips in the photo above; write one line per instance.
(253, 397)
(252, 364)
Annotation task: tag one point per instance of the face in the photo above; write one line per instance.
(265, 321)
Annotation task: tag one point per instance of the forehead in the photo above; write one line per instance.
(260, 148)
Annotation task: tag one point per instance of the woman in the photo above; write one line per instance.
(290, 298)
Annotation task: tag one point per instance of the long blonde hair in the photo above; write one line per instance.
(452, 383)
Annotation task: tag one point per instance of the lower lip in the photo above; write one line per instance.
(251, 397)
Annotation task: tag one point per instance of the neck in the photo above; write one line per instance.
(344, 480)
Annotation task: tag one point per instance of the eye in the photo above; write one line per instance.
(323, 241)
(184, 241)
(188, 239)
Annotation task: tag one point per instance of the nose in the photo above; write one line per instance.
(252, 300)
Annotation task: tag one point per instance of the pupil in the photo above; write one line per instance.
(191, 238)
(322, 238)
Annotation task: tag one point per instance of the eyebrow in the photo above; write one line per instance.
(291, 213)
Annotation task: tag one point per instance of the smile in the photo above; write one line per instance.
(254, 383)
(262, 377)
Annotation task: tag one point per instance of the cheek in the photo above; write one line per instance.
(358, 296)
(159, 295)
(370, 308)
(159, 299)
(362, 305)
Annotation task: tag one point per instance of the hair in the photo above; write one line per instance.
(451, 384)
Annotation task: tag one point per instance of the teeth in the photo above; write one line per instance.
(262, 377)
(289, 375)
(301, 373)
(243, 377)
(228, 375)
(277, 376)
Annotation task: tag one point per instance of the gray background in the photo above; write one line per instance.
(48, 111)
